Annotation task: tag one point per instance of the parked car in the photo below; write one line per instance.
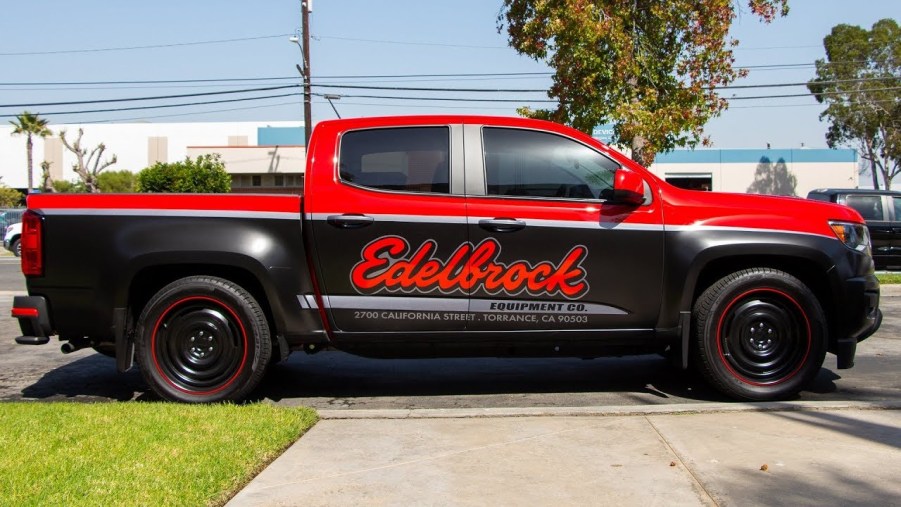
(882, 211)
(9, 217)
(11, 239)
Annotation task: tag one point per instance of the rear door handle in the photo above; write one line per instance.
(502, 224)
(349, 221)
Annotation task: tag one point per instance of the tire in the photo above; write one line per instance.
(759, 334)
(203, 339)
(16, 248)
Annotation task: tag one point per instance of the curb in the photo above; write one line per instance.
(611, 411)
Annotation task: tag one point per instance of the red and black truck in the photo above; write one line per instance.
(451, 236)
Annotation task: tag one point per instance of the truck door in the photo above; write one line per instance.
(389, 228)
(555, 256)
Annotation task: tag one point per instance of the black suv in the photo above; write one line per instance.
(882, 211)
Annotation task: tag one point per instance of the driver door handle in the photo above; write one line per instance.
(502, 224)
(349, 221)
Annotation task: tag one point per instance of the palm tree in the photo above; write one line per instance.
(30, 125)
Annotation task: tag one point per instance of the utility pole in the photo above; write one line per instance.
(306, 7)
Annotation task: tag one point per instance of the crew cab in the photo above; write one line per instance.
(451, 236)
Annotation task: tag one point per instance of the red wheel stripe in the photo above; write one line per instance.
(719, 342)
(243, 338)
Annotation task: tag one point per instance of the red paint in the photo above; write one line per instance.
(719, 342)
(235, 318)
(190, 202)
(387, 264)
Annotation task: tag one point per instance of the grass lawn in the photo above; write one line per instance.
(889, 278)
(138, 453)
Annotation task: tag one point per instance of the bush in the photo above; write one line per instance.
(69, 187)
(206, 174)
(10, 197)
(118, 182)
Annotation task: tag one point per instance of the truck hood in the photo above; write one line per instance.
(688, 208)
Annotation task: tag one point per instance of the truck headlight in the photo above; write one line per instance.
(854, 236)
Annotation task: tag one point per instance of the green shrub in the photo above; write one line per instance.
(205, 174)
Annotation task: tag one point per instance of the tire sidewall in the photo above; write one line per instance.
(788, 290)
(237, 305)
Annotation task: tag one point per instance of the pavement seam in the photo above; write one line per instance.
(608, 411)
(682, 461)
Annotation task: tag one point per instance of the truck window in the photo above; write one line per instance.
(540, 164)
(869, 206)
(411, 159)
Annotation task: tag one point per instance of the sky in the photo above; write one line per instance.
(52, 42)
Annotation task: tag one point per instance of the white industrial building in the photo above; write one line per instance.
(269, 157)
(763, 171)
(261, 156)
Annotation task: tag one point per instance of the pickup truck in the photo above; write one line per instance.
(451, 236)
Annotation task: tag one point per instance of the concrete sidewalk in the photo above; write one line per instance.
(730, 454)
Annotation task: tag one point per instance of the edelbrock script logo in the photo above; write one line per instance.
(388, 263)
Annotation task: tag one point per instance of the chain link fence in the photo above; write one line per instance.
(9, 216)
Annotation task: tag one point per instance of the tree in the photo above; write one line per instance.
(30, 125)
(87, 165)
(117, 182)
(859, 82)
(206, 174)
(650, 67)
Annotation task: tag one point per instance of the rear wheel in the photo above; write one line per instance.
(760, 334)
(16, 248)
(203, 339)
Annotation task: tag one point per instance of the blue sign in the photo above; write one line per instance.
(603, 133)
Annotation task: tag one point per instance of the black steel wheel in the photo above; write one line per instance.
(760, 334)
(203, 339)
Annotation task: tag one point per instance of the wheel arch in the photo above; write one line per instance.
(151, 277)
(813, 267)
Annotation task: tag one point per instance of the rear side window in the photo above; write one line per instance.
(897, 206)
(869, 206)
(527, 163)
(410, 159)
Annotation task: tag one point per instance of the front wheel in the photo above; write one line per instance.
(760, 335)
(203, 339)
(16, 248)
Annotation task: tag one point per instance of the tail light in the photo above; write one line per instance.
(32, 244)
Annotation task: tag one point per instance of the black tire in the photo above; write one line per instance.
(760, 335)
(203, 339)
(16, 248)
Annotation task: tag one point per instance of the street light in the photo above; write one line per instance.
(330, 97)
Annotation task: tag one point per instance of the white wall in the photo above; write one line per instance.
(256, 159)
(739, 177)
(128, 141)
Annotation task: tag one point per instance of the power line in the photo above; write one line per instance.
(410, 43)
(158, 97)
(850, 92)
(540, 90)
(151, 81)
(211, 111)
(163, 106)
(151, 46)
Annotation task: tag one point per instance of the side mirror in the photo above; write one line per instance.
(628, 188)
